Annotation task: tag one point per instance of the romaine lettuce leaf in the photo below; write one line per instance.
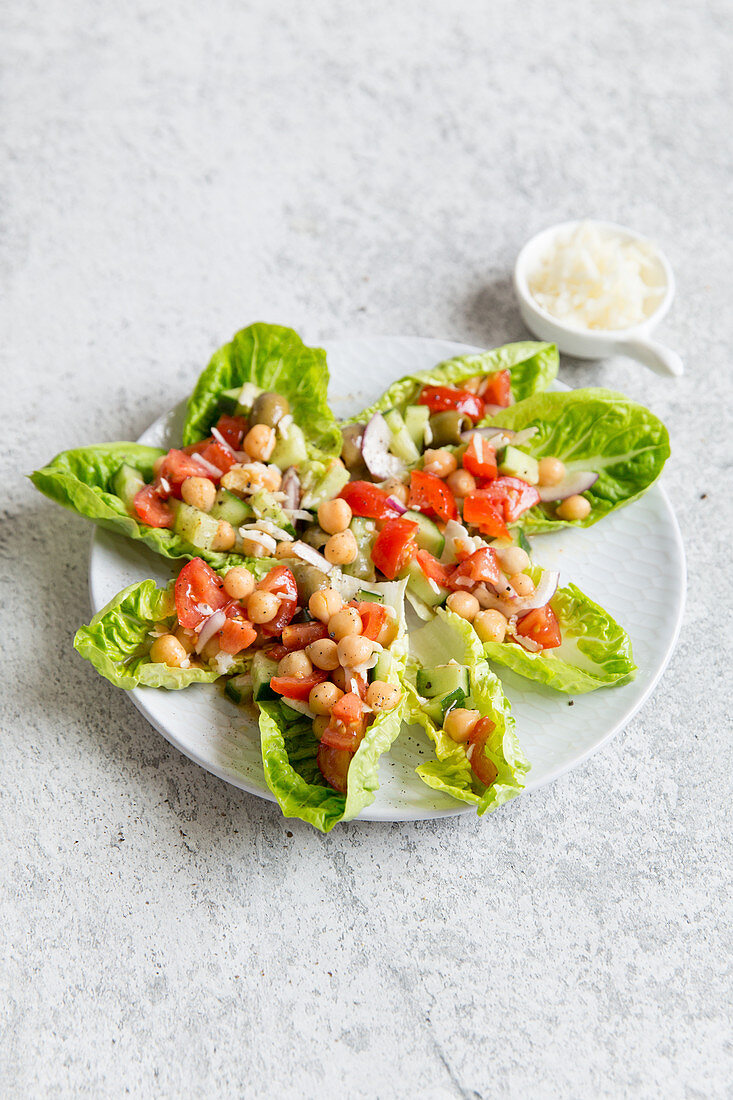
(591, 429)
(533, 367)
(274, 358)
(118, 638)
(449, 637)
(289, 747)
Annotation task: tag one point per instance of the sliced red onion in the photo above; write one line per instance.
(310, 555)
(542, 594)
(397, 505)
(208, 630)
(570, 486)
(486, 433)
(300, 705)
(375, 450)
(291, 488)
(527, 643)
(210, 468)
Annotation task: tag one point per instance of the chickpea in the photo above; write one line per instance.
(187, 638)
(295, 664)
(325, 603)
(225, 536)
(440, 462)
(459, 723)
(334, 515)
(522, 584)
(319, 725)
(344, 622)
(167, 650)
(324, 654)
(382, 696)
(284, 550)
(341, 549)
(323, 697)
(464, 604)
(388, 629)
(551, 471)
(490, 625)
(397, 489)
(262, 606)
(513, 559)
(239, 583)
(338, 676)
(461, 483)
(252, 548)
(354, 650)
(259, 442)
(575, 507)
(199, 492)
(211, 649)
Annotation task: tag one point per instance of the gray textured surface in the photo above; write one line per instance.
(171, 173)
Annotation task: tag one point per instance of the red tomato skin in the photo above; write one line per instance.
(541, 626)
(514, 495)
(368, 500)
(218, 456)
(480, 459)
(197, 583)
(151, 509)
(236, 634)
(299, 635)
(498, 390)
(480, 567)
(333, 765)
(281, 582)
(348, 709)
(293, 687)
(373, 617)
(197, 448)
(176, 467)
(430, 495)
(433, 569)
(483, 512)
(482, 767)
(338, 736)
(394, 546)
(442, 398)
(275, 652)
(233, 428)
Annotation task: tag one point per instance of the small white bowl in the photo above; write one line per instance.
(595, 343)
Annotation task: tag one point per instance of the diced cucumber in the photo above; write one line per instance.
(369, 597)
(443, 680)
(247, 397)
(265, 506)
(434, 710)
(364, 531)
(383, 667)
(290, 449)
(228, 401)
(416, 421)
(402, 444)
(197, 527)
(516, 463)
(231, 508)
(419, 585)
(127, 483)
(239, 688)
(428, 536)
(263, 670)
(327, 488)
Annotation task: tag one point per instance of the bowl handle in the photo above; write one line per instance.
(656, 356)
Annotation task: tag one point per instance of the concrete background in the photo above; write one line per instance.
(170, 173)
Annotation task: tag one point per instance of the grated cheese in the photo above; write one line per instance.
(593, 278)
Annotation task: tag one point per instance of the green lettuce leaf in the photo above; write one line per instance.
(595, 651)
(449, 637)
(117, 641)
(591, 429)
(533, 367)
(274, 358)
(81, 480)
(289, 747)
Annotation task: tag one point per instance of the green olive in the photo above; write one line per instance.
(308, 578)
(315, 536)
(269, 408)
(350, 448)
(447, 427)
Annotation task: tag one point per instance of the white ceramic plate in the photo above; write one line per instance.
(632, 563)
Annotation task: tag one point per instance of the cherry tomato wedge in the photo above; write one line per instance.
(236, 634)
(218, 456)
(480, 568)
(481, 765)
(151, 509)
(333, 765)
(482, 511)
(299, 635)
(233, 429)
(197, 590)
(480, 458)
(296, 687)
(442, 398)
(348, 710)
(498, 389)
(176, 467)
(338, 736)
(368, 500)
(374, 618)
(394, 546)
(433, 569)
(514, 495)
(541, 626)
(281, 582)
(432, 496)
(275, 652)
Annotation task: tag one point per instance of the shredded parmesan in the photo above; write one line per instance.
(593, 278)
